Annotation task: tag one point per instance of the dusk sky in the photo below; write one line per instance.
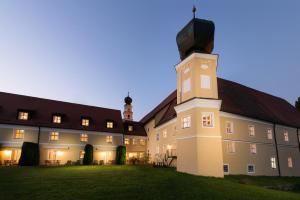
(93, 52)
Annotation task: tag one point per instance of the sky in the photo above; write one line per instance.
(94, 52)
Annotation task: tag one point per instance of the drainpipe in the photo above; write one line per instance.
(39, 135)
(276, 148)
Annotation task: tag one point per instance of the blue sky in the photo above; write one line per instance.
(93, 52)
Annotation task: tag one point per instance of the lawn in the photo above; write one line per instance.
(132, 182)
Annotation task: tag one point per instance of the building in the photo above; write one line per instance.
(208, 126)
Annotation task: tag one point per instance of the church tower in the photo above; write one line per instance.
(199, 141)
(127, 113)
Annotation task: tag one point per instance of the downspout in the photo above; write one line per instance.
(276, 148)
(39, 135)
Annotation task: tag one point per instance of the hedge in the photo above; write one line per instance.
(121, 155)
(88, 155)
(30, 154)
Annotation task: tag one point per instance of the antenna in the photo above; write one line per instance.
(194, 11)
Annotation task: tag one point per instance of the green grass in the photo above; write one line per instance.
(130, 182)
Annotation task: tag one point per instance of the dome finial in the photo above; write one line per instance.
(194, 11)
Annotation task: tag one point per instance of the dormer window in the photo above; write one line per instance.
(130, 128)
(85, 122)
(56, 119)
(22, 115)
(109, 124)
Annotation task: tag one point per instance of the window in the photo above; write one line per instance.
(23, 115)
(229, 127)
(109, 139)
(231, 147)
(226, 168)
(290, 162)
(56, 119)
(205, 81)
(85, 122)
(134, 141)
(270, 134)
(273, 162)
(126, 141)
(207, 119)
(186, 85)
(251, 130)
(186, 122)
(253, 148)
(81, 154)
(83, 137)
(130, 128)
(54, 136)
(157, 136)
(19, 134)
(286, 136)
(251, 169)
(142, 142)
(165, 133)
(109, 124)
(157, 149)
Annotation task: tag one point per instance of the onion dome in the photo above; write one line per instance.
(128, 99)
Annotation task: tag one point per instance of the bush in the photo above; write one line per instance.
(88, 155)
(30, 155)
(121, 155)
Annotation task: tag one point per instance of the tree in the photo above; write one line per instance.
(30, 154)
(121, 155)
(88, 155)
(297, 104)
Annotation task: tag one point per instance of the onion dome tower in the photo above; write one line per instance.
(128, 114)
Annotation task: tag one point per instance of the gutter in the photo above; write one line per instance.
(276, 148)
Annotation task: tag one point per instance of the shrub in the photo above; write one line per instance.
(88, 155)
(121, 155)
(30, 155)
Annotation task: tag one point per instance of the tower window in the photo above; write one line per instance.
(208, 119)
(186, 122)
(205, 81)
(56, 119)
(85, 122)
(186, 85)
(23, 115)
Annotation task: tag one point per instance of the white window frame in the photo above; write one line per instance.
(81, 154)
(165, 133)
(290, 162)
(84, 137)
(186, 85)
(212, 117)
(269, 134)
(286, 136)
(227, 168)
(273, 162)
(251, 132)
(205, 81)
(56, 119)
(126, 141)
(22, 115)
(253, 169)
(53, 136)
(253, 148)
(85, 122)
(186, 121)
(109, 139)
(230, 147)
(109, 124)
(231, 127)
(21, 132)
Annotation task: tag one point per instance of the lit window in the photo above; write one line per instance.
(165, 133)
(273, 162)
(157, 136)
(186, 85)
(270, 134)
(157, 149)
(84, 137)
(231, 147)
(109, 139)
(253, 148)
(226, 168)
(142, 142)
(207, 119)
(126, 141)
(229, 127)
(251, 130)
(81, 154)
(251, 169)
(109, 124)
(130, 128)
(286, 136)
(23, 115)
(56, 119)
(186, 122)
(205, 81)
(19, 134)
(290, 162)
(85, 122)
(54, 136)
(134, 141)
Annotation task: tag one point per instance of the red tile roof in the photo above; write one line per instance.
(138, 128)
(42, 110)
(241, 100)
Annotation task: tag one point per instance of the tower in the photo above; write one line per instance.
(199, 141)
(127, 113)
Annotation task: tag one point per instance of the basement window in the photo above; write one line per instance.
(250, 169)
(226, 168)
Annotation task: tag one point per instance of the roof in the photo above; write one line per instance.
(42, 110)
(138, 128)
(241, 100)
